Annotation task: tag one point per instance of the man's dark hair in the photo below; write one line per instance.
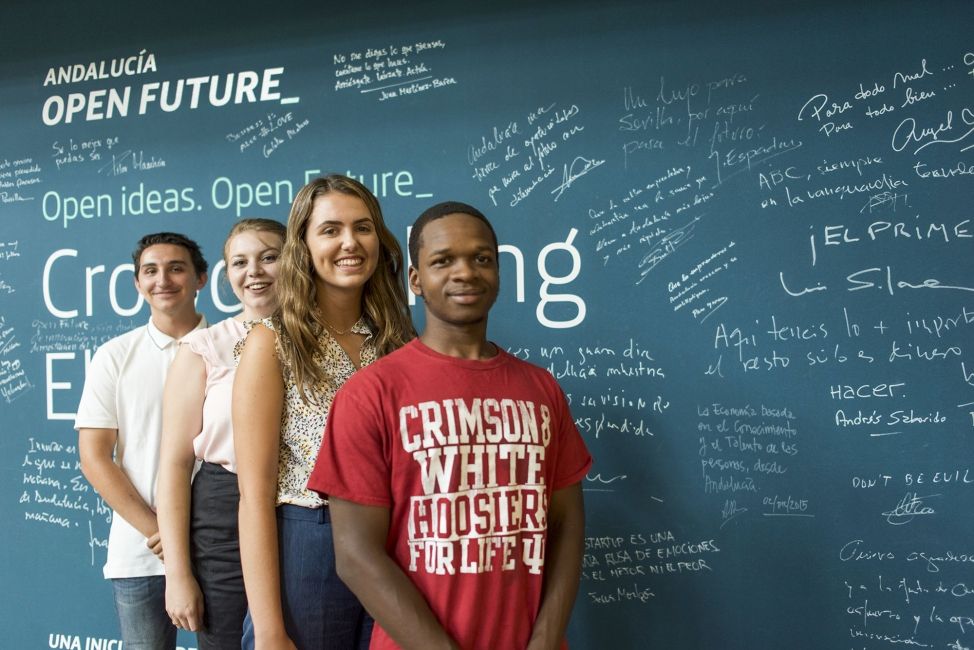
(174, 238)
(439, 211)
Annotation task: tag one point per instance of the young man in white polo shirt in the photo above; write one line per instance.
(119, 425)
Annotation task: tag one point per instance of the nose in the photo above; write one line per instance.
(349, 239)
(462, 269)
(255, 268)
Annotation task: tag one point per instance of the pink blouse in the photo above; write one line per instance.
(218, 347)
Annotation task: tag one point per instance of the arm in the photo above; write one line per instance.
(563, 567)
(96, 448)
(258, 402)
(360, 534)
(182, 420)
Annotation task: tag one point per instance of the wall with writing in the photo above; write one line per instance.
(739, 236)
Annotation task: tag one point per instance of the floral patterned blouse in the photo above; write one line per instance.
(303, 424)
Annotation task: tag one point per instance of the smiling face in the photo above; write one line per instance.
(342, 242)
(456, 273)
(252, 257)
(168, 281)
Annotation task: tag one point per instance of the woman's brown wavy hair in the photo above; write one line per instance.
(383, 297)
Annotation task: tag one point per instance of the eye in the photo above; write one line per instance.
(485, 259)
(269, 258)
(329, 231)
(364, 227)
(439, 261)
(238, 263)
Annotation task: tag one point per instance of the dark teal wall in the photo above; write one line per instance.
(740, 236)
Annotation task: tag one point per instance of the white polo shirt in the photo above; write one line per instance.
(123, 391)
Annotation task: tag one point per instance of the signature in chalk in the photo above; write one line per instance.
(730, 511)
(578, 168)
(909, 507)
(908, 133)
(128, 160)
(668, 244)
(605, 481)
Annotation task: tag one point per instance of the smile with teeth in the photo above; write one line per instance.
(257, 286)
(349, 262)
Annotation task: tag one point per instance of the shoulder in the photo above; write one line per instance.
(403, 357)
(259, 340)
(188, 368)
(271, 323)
(103, 380)
(535, 372)
(259, 345)
(198, 340)
(223, 334)
(115, 350)
(125, 341)
(385, 372)
(264, 329)
(540, 379)
(226, 327)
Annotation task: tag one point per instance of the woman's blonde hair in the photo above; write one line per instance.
(383, 297)
(257, 225)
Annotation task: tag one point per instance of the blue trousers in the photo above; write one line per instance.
(141, 607)
(320, 612)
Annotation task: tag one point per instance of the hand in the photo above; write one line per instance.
(155, 544)
(184, 603)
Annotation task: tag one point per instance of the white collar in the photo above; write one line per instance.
(162, 340)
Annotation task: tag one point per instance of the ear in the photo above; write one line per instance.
(414, 284)
(201, 278)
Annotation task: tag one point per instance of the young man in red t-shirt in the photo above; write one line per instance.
(453, 469)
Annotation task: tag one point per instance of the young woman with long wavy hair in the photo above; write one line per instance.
(342, 305)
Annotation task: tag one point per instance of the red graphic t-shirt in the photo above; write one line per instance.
(465, 454)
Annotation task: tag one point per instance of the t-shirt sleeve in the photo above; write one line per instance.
(573, 460)
(353, 462)
(200, 342)
(97, 409)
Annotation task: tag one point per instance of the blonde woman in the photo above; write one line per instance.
(342, 305)
(198, 523)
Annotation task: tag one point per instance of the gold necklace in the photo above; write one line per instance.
(338, 331)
